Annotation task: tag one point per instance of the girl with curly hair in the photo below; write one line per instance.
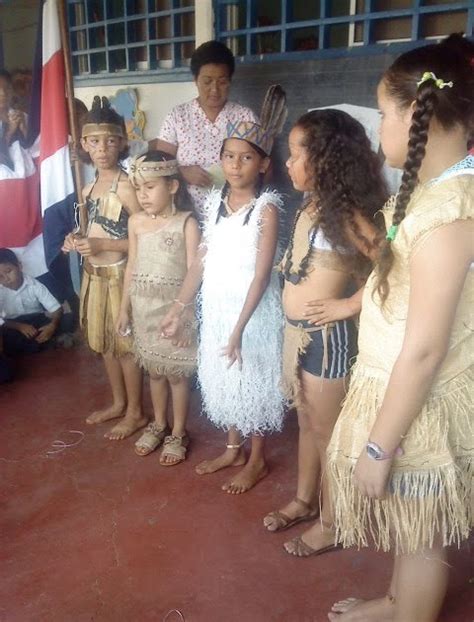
(401, 453)
(332, 243)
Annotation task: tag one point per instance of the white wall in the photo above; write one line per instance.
(155, 100)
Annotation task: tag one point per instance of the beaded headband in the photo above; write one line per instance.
(251, 132)
(439, 82)
(102, 129)
(141, 171)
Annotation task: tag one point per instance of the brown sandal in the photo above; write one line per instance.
(283, 521)
(176, 447)
(151, 438)
(301, 549)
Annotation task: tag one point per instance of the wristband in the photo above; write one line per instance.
(375, 452)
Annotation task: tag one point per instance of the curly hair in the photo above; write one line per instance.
(346, 175)
(451, 60)
(212, 53)
(183, 199)
(102, 112)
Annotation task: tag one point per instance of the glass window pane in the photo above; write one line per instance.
(116, 33)
(136, 31)
(237, 45)
(117, 60)
(161, 55)
(115, 8)
(338, 35)
(267, 13)
(302, 10)
(95, 11)
(439, 24)
(301, 39)
(80, 65)
(160, 5)
(392, 29)
(77, 14)
(160, 27)
(340, 8)
(266, 43)
(98, 62)
(96, 37)
(78, 40)
(390, 5)
(138, 59)
(136, 7)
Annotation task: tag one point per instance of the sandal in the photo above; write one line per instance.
(176, 447)
(151, 438)
(283, 521)
(301, 549)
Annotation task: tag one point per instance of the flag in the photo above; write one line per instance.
(49, 128)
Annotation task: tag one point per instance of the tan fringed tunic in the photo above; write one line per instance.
(430, 485)
(159, 272)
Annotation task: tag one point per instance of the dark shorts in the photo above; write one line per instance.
(341, 349)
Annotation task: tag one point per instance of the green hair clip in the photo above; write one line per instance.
(439, 82)
(392, 233)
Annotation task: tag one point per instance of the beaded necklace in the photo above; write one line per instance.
(296, 277)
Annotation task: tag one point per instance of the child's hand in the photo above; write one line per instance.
(371, 476)
(27, 330)
(170, 324)
(233, 350)
(88, 246)
(320, 312)
(45, 333)
(123, 324)
(69, 243)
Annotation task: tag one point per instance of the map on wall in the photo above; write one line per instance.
(125, 102)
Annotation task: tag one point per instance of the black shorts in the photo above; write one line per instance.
(341, 349)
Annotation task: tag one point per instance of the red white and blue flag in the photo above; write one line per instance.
(37, 197)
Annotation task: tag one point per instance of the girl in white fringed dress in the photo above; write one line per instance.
(241, 317)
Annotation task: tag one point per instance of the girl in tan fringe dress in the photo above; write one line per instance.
(400, 458)
(163, 240)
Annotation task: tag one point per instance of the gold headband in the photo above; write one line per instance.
(148, 171)
(102, 129)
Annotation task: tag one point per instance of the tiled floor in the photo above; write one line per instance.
(96, 533)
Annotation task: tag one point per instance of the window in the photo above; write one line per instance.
(257, 28)
(110, 36)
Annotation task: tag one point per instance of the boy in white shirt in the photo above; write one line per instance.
(31, 314)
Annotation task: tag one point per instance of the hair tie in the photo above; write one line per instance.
(392, 233)
(439, 82)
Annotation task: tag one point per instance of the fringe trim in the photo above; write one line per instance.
(430, 491)
(295, 342)
(166, 368)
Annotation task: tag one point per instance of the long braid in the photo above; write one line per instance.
(425, 105)
(258, 192)
(222, 212)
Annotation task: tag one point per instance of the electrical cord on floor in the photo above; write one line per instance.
(181, 615)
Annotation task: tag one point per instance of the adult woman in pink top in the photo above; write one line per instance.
(194, 131)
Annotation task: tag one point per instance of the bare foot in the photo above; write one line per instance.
(230, 457)
(293, 513)
(356, 610)
(112, 412)
(126, 427)
(311, 541)
(246, 479)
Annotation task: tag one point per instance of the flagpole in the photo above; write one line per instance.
(63, 29)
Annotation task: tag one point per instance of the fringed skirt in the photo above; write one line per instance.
(101, 294)
(151, 300)
(430, 489)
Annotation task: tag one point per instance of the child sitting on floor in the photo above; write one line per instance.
(31, 314)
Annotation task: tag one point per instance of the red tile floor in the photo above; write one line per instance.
(96, 533)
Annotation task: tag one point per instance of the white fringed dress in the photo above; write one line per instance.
(248, 399)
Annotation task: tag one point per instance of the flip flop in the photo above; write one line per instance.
(285, 522)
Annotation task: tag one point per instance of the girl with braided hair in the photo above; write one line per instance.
(331, 244)
(400, 458)
(239, 352)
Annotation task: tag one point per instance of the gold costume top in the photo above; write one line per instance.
(308, 238)
(430, 484)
